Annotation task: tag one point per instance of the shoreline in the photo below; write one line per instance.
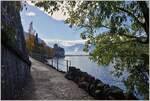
(86, 87)
(96, 88)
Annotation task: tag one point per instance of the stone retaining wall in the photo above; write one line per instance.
(14, 74)
(15, 63)
(95, 87)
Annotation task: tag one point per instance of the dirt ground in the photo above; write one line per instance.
(48, 84)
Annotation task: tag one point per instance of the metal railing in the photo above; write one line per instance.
(39, 57)
(59, 65)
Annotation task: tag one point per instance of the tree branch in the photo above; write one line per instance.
(138, 39)
(88, 26)
(118, 43)
(130, 14)
(145, 10)
(105, 26)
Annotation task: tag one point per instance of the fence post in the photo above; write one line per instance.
(67, 64)
(52, 61)
(57, 63)
(70, 63)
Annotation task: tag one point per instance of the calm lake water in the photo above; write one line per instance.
(103, 73)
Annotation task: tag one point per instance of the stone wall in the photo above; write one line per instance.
(95, 87)
(15, 64)
(14, 74)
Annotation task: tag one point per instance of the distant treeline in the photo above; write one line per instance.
(34, 45)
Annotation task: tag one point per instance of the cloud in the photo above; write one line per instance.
(64, 42)
(58, 15)
(30, 14)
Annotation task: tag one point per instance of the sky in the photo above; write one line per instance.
(52, 29)
(49, 28)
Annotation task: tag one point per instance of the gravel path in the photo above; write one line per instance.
(48, 84)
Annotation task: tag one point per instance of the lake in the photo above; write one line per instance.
(104, 73)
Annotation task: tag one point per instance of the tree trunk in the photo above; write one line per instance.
(145, 11)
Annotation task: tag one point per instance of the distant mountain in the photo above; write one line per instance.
(76, 49)
(73, 49)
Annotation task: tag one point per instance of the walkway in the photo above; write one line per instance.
(49, 84)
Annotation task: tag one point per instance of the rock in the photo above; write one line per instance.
(72, 69)
(92, 89)
(107, 89)
(81, 79)
(110, 97)
(85, 75)
(100, 86)
(99, 95)
(116, 89)
(117, 93)
(98, 81)
(95, 87)
(76, 79)
(84, 85)
(92, 79)
(76, 75)
(69, 77)
(130, 96)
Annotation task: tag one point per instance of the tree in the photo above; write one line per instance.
(49, 51)
(103, 14)
(31, 28)
(30, 43)
(119, 30)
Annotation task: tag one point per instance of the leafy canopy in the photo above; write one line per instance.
(119, 30)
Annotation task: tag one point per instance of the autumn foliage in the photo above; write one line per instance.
(30, 43)
(35, 47)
